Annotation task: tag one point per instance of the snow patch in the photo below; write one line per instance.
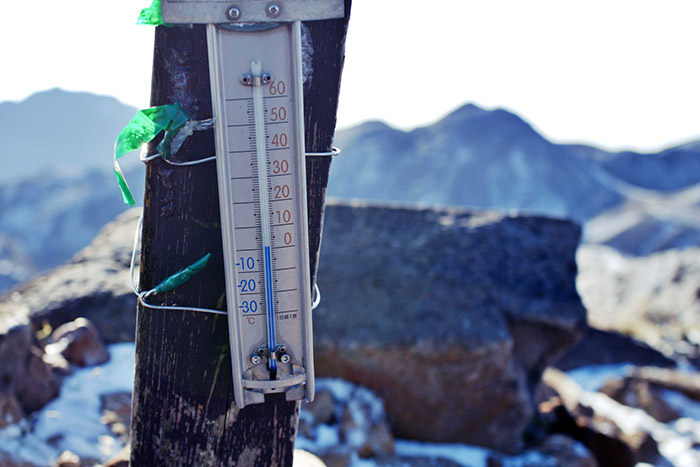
(72, 421)
(592, 378)
(339, 389)
(460, 453)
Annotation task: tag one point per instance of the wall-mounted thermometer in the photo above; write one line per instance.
(255, 56)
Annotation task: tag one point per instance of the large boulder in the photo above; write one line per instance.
(449, 315)
(27, 380)
(93, 285)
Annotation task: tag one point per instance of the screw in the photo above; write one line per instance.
(255, 359)
(285, 358)
(272, 10)
(267, 77)
(233, 13)
(262, 351)
(282, 348)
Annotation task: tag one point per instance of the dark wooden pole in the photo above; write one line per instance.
(183, 408)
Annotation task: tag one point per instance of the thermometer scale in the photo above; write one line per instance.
(255, 61)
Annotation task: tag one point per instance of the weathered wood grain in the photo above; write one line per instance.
(183, 408)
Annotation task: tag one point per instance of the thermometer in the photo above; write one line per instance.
(255, 64)
(257, 92)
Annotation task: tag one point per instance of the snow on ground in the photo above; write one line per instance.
(676, 440)
(592, 378)
(72, 421)
(460, 453)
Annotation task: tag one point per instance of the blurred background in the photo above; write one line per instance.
(584, 112)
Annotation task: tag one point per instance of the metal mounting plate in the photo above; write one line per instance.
(264, 218)
(249, 11)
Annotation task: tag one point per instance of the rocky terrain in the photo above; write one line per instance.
(480, 305)
(460, 316)
(656, 298)
(447, 311)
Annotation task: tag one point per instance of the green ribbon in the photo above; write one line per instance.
(183, 275)
(151, 16)
(145, 126)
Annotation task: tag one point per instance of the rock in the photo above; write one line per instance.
(684, 382)
(306, 459)
(306, 424)
(607, 450)
(116, 414)
(93, 285)
(409, 461)
(52, 357)
(600, 347)
(362, 430)
(574, 413)
(449, 315)
(337, 456)
(10, 408)
(121, 459)
(67, 459)
(37, 383)
(321, 409)
(565, 451)
(554, 450)
(79, 342)
(27, 374)
(417, 304)
(6, 461)
(356, 427)
(15, 341)
(653, 299)
(640, 394)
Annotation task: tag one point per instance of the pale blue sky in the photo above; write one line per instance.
(617, 73)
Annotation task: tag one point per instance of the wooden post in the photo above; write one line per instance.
(183, 408)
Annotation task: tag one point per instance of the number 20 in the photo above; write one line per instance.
(247, 285)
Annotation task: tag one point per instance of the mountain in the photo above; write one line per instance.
(636, 203)
(58, 133)
(474, 157)
(673, 169)
(648, 221)
(57, 188)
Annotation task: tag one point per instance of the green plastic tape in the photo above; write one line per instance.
(145, 126)
(182, 276)
(152, 15)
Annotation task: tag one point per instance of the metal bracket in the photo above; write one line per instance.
(249, 11)
(251, 80)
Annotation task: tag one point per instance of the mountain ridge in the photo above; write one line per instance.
(496, 159)
(59, 189)
(58, 132)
